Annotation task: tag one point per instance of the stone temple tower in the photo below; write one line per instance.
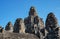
(52, 27)
(29, 21)
(33, 23)
(9, 27)
(19, 26)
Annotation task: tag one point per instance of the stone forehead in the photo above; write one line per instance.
(32, 7)
(18, 19)
(51, 14)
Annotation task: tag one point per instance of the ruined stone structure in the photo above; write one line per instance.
(19, 26)
(9, 27)
(32, 27)
(33, 23)
(52, 27)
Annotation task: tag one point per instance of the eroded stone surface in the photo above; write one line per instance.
(9, 27)
(52, 27)
(8, 35)
(19, 26)
(32, 27)
(33, 23)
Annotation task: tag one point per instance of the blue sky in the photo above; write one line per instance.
(10, 10)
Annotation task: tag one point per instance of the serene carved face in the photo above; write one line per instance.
(32, 11)
(51, 20)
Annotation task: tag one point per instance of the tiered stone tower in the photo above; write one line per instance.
(52, 27)
(19, 26)
(33, 23)
(9, 27)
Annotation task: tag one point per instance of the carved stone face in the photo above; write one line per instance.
(32, 11)
(51, 21)
(19, 25)
(9, 27)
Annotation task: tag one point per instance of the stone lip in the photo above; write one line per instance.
(8, 35)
